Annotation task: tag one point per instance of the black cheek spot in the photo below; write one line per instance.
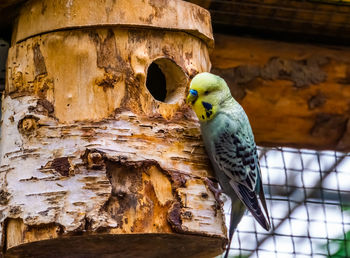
(207, 105)
(203, 117)
(208, 113)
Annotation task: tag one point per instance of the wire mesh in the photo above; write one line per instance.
(308, 194)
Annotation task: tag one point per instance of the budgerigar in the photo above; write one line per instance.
(229, 142)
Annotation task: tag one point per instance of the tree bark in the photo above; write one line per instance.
(91, 161)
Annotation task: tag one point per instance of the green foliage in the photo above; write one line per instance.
(346, 208)
(341, 247)
(234, 256)
(240, 256)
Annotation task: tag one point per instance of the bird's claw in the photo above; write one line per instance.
(213, 187)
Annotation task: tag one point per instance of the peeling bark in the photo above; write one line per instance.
(106, 174)
(87, 151)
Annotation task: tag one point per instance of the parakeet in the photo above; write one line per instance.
(229, 142)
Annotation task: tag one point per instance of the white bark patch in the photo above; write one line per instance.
(48, 179)
(196, 199)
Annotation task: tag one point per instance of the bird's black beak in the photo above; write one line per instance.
(192, 97)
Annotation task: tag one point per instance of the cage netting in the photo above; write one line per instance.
(308, 195)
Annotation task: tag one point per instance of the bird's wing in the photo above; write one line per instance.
(235, 154)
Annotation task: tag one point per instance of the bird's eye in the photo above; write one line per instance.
(206, 92)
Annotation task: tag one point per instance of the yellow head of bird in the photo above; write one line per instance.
(207, 92)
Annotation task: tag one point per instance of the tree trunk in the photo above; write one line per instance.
(100, 155)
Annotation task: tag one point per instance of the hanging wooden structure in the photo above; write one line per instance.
(100, 156)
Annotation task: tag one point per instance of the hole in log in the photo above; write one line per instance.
(166, 81)
(156, 82)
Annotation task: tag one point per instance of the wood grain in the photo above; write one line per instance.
(88, 153)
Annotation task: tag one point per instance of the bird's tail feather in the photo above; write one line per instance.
(263, 202)
(237, 211)
(251, 201)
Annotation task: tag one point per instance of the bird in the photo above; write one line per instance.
(229, 142)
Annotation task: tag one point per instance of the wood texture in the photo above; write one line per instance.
(320, 21)
(87, 153)
(39, 17)
(294, 94)
(315, 20)
(103, 245)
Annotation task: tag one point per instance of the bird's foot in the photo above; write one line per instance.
(213, 187)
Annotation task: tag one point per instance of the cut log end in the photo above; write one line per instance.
(125, 245)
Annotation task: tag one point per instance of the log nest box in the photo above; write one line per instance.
(100, 156)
